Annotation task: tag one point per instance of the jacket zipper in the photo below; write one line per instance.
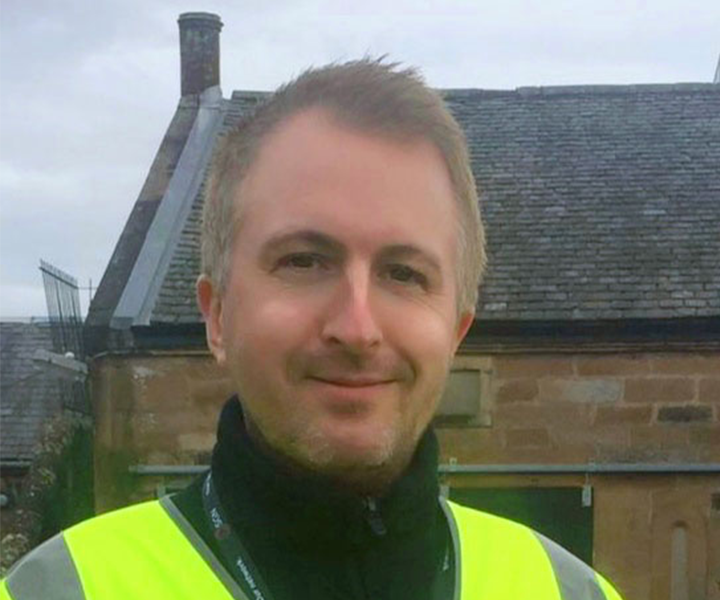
(374, 518)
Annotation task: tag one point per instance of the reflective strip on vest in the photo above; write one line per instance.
(46, 572)
(140, 552)
(575, 578)
(202, 548)
(504, 560)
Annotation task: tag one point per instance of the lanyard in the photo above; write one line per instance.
(237, 557)
(244, 570)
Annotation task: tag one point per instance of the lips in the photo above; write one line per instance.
(350, 396)
(342, 370)
(352, 382)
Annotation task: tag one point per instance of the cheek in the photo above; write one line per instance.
(428, 336)
(267, 328)
(285, 322)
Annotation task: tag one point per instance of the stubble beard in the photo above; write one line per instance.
(366, 471)
(308, 449)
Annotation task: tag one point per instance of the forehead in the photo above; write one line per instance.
(315, 172)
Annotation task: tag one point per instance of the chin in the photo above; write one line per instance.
(366, 463)
(334, 445)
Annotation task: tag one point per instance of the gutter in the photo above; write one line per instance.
(677, 334)
(608, 335)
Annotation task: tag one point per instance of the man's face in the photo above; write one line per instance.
(339, 321)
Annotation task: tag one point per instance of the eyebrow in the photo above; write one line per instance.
(327, 243)
(311, 237)
(407, 251)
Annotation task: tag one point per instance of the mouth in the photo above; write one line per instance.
(351, 396)
(353, 382)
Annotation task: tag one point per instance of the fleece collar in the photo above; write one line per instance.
(311, 513)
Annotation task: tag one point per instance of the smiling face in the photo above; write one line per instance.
(338, 322)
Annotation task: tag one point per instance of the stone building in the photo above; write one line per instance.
(45, 442)
(30, 397)
(586, 398)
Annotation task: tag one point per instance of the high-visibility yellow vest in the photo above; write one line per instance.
(150, 551)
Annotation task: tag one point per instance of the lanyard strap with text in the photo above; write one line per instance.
(236, 556)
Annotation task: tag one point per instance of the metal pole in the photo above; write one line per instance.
(520, 469)
(602, 468)
(168, 469)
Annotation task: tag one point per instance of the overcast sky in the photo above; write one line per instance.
(87, 89)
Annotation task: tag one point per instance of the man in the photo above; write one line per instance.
(342, 250)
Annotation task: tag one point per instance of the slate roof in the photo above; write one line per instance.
(29, 395)
(601, 202)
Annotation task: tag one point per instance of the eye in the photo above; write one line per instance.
(406, 275)
(302, 261)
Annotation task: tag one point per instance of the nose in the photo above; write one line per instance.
(351, 321)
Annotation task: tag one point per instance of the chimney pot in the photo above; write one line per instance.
(199, 51)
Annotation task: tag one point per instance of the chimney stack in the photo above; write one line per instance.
(199, 51)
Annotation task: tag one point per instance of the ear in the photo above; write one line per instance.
(463, 326)
(210, 304)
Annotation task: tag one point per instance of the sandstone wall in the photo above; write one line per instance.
(601, 408)
(159, 409)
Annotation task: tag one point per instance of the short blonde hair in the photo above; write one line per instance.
(371, 96)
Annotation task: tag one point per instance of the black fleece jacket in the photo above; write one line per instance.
(311, 539)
